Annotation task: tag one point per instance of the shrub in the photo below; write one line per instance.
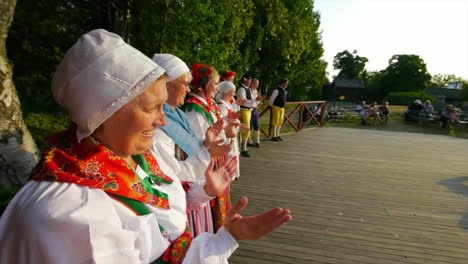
(406, 98)
(43, 125)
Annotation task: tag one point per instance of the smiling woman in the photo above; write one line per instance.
(141, 115)
(99, 195)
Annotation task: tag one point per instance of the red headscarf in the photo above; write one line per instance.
(200, 74)
(227, 75)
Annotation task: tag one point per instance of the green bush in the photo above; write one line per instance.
(406, 98)
(43, 125)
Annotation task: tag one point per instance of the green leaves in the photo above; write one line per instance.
(269, 38)
(351, 65)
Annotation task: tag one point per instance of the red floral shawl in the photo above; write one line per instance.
(91, 164)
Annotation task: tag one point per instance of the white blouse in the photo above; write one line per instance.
(51, 222)
(191, 169)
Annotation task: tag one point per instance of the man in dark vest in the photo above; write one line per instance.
(277, 102)
(246, 110)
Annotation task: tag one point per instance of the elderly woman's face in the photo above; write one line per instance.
(254, 84)
(212, 87)
(177, 89)
(229, 95)
(129, 131)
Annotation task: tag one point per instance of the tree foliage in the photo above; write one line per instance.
(442, 80)
(406, 98)
(269, 38)
(350, 64)
(405, 73)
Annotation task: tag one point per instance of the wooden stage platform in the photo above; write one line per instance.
(359, 196)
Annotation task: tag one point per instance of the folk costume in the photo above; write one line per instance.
(203, 113)
(84, 203)
(180, 148)
(225, 108)
(246, 109)
(277, 102)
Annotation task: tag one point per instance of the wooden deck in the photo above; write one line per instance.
(359, 196)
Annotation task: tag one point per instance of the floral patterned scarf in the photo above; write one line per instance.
(91, 164)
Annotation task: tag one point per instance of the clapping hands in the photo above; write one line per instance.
(254, 227)
(217, 180)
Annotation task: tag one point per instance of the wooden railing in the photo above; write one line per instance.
(302, 122)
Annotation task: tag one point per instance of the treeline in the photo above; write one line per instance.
(406, 78)
(268, 38)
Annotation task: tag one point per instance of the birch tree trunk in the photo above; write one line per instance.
(18, 152)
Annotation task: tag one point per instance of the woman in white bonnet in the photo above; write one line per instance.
(227, 105)
(99, 195)
(180, 147)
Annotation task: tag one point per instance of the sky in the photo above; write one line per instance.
(435, 30)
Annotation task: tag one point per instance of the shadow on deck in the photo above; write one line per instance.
(359, 196)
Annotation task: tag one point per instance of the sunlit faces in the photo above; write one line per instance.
(212, 86)
(229, 95)
(129, 131)
(177, 89)
(247, 82)
(254, 84)
(229, 79)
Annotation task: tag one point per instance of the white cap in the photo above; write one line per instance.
(173, 65)
(224, 87)
(98, 75)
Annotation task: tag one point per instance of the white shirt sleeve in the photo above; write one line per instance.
(197, 197)
(242, 94)
(223, 109)
(191, 169)
(50, 222)
(209, 248)
(273, 97)
(199, 124)
(235, 107)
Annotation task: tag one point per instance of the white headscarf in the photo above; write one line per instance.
(173, 65)
(224, 87)
(97, 76)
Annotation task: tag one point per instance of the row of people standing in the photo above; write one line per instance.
(251, 100)
(116, 186)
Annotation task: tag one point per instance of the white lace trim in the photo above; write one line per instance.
(97, 119)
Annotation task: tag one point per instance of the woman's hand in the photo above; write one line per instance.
(218, 149)
(254, 227)
(217, 180)
(244, 128)
(214, 145)
(231, 131)
(213, 132)
(241, 101)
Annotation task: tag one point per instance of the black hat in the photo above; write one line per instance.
(247, 76)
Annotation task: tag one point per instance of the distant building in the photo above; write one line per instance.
(351, 90)
(448, 95)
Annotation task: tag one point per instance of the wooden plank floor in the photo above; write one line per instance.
(359, 196)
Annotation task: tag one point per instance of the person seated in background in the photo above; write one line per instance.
(373, 112)
(454, 116)
(428, 108)
(362, 111)
(413, 113)
(384, 112)
(333, 112)
(445, 115)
